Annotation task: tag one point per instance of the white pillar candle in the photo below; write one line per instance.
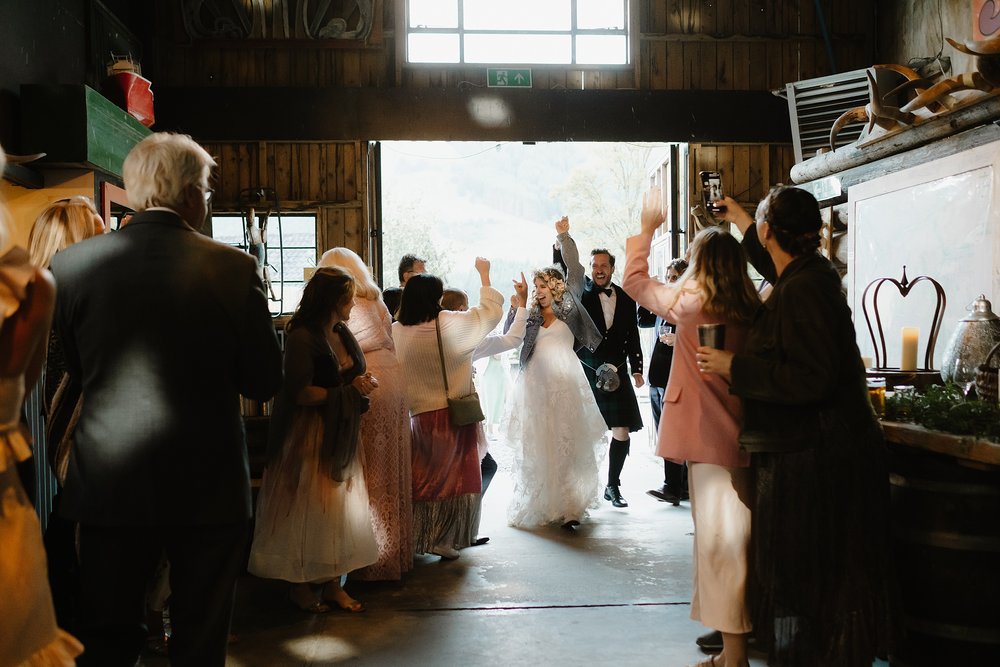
(911, 336)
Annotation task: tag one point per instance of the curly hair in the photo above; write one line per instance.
(793, 215)
(552, 277)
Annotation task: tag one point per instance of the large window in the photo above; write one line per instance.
(291, 248)
(556, 32)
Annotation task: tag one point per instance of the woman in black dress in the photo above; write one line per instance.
(820, 517)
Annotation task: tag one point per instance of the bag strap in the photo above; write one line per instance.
(444, 373)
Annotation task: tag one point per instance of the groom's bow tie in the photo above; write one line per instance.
(608, 291)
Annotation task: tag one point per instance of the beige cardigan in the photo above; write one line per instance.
(461, 332)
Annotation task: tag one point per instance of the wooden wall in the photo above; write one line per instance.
(748, 170)
(682, 45)
(917, 28)
(726, 45)
(328, 178)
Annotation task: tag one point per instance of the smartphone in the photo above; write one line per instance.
(711, 191)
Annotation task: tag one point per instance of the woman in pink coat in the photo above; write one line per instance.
(700, 421)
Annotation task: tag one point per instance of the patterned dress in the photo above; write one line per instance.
(385, 445)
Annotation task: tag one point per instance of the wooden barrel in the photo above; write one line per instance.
(946, 539)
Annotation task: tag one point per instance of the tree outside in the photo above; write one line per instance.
(449, 202)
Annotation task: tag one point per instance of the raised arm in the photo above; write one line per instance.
(649, 293)
(575, 274)
(737, 215)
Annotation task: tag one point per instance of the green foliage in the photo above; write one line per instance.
(944, 408)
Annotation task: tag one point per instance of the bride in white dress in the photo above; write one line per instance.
(553, 423)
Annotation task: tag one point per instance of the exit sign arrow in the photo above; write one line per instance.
(508, 78)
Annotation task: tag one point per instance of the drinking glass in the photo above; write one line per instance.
(876, 394)
(666, 334)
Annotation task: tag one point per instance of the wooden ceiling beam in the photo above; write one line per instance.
(474, 114)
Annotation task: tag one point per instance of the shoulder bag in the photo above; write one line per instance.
(463, 410)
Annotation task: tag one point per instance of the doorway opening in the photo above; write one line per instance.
(448, 202)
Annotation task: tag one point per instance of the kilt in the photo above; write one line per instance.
(620, 407)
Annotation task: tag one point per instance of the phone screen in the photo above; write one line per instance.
(711, 190)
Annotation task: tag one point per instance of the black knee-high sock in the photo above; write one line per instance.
(618, 450)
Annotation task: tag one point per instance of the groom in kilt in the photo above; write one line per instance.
(614, 313)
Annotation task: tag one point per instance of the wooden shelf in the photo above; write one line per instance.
(76, 126)
(965, 447)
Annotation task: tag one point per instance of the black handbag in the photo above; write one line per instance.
(463, 410)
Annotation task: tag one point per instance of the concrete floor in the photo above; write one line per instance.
(616, 591)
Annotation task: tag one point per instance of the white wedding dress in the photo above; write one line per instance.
(557, 433)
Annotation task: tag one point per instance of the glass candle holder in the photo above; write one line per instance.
(876, 394)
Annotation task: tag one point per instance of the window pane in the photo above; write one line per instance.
(292, 296)
(227, 229)
(294, 262)
(431, 48)
(601, 49)
(517, 15)
(433, 13)
(608, 14)
(297, 224)
(294, 248)
(514, 49)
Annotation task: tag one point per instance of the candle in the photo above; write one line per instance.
(911, 335)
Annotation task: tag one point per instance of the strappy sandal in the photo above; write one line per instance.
(314, 606)
(344, 601)
(706, 663)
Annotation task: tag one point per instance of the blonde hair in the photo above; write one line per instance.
(553, 278)
(60, 225)
(351, 262)
(161, 167)
(719, 267)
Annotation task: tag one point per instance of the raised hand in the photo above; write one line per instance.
(652, 215)
(734, 213)
(521, 289)
(562, 225)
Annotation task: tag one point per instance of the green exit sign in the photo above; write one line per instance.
(508, 78)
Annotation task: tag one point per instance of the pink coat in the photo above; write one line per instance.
(700, 421)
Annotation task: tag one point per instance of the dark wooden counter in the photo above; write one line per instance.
(945, 492)
(963, 447)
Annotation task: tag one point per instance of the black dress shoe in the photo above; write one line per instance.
(711, 641)
(570, 525)
(664, 496)
(615, 496)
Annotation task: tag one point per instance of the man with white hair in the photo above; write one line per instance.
(164, 328)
